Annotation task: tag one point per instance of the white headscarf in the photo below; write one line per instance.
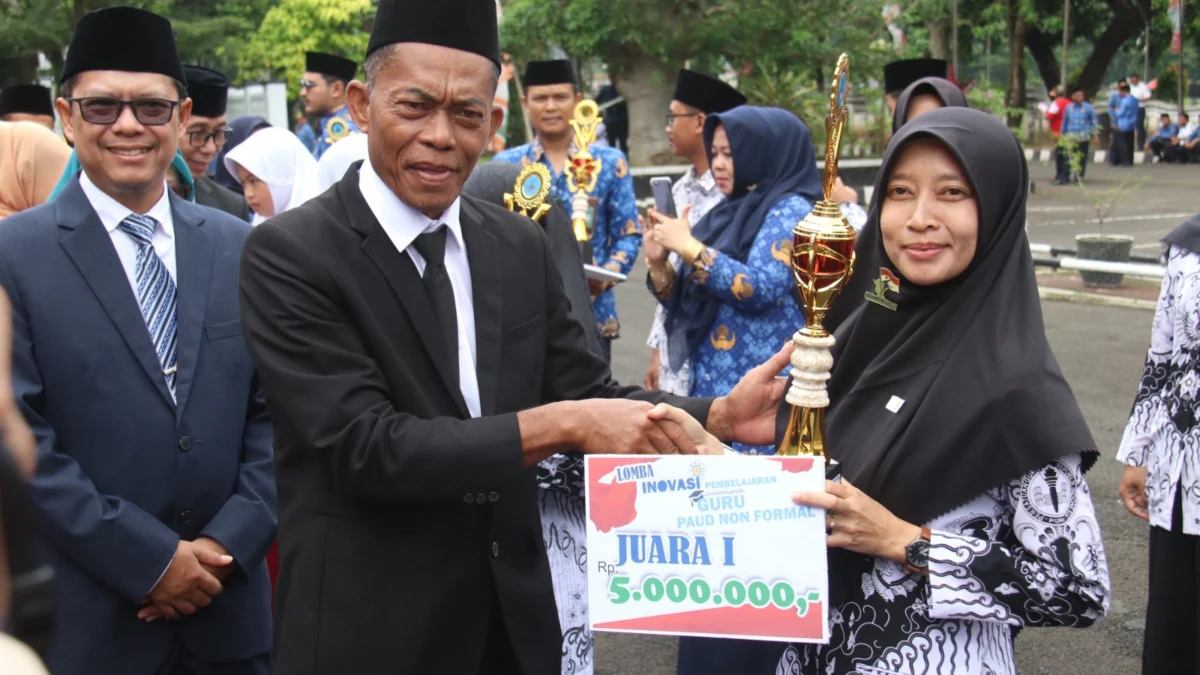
(280, 160)
(338, 158)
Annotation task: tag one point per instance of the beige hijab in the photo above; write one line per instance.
(32, 160)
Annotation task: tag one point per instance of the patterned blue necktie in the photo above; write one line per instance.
(155, 294)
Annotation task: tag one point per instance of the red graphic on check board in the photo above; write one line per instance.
(612, 504)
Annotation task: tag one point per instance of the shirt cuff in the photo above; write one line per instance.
(164, 573)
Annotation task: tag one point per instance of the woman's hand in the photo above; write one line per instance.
(1133, 491)
(858, 523)
(706, 443)
(674, 234)
(656, 253)
(651, 379)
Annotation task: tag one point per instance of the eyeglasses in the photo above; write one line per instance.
(307, 84)
(152, 112)
(671, 117)
(199, 139)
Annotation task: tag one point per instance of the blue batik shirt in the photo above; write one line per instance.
(1127, 111)
(1167, 131)
(305, 133)
(1079, 120)
(616, 236)
(334, 127)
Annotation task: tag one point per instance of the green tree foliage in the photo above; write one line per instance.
(292, 27)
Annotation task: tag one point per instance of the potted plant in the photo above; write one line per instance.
(1101, 246)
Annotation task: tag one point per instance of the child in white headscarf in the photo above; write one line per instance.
(275, 170)
(338, 158)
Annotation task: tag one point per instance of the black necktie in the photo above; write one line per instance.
(432, 247)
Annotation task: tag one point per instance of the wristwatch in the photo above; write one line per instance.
(917, 553)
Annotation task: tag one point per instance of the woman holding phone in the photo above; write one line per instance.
(730, 302)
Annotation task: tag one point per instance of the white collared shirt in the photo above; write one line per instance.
(1141, 92)
(111, 214)
(403, 224)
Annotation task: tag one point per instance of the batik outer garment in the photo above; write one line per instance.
(1163, 433)
(565, 537)
(758, 311)
(324, 138)
(701, 193)
(616, 236)
(1027, 553)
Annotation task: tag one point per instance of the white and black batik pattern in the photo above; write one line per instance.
(561, 473)
(1163, 434)
(565, 536)
(1025, 554)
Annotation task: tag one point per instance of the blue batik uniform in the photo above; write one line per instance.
(306, 135)
(616, 236)
(758, 306)
(334, 127)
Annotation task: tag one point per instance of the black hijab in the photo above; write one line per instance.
(772, 158)
(1186, 235)
(240, 130)
(951, 97)
(984, 400)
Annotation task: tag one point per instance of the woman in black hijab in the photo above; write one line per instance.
(964, 513)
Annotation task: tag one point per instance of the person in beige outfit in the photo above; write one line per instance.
(32, 159)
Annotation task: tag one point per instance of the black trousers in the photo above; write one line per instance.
(618, 135)
(1141, 127)
(186, 663)
(1124, 148)
(1172, 641)
(714, 656)
(1157, 146)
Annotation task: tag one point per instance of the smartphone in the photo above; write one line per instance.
(664, 203)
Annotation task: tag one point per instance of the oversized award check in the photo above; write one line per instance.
(706, 545)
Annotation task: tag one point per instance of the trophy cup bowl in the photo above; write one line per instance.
(822, 262)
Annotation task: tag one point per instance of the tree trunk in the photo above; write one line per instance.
(1041, 48)
(1125, 23)
(939, 39)
(1014, 95)
(646, 84)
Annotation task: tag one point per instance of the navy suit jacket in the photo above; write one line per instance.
(123, 472)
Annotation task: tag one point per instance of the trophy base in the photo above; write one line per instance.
(805, 435)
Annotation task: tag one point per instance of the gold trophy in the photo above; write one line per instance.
(583, 171)
(528, 197)
(822, 262)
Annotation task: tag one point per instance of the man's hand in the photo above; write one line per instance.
(623, 427)
(187, 585)
(651, 379)
(747, 414)
(1133, 491)
(597, 286)
(689, 426)
(222, 573)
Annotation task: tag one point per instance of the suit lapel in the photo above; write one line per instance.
(89, 246)
(401, 275)
(487, 289)
(194, 250)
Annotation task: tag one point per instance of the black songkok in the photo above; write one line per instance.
(31, 99)
(706, 93)
(123, 38)
(465, 25)
(208, 89)
(330, 65)
(559, 71)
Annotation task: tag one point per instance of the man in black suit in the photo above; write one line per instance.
(419, 359)
(204, 137)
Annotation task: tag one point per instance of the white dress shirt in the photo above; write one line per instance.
(1141, 92)
(111, 214)
(403, 224)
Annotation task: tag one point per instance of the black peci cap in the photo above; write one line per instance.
(897, 75)
(31, 99)
(706, 93)
(208, 89)
(123, 38)
(558, 71)
(330, 65)
(465, 25)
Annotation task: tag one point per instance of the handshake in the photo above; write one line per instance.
(623, 426)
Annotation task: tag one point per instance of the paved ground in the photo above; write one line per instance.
(1101, 350)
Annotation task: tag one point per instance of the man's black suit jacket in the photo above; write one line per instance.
(209, 194)
(402, 520)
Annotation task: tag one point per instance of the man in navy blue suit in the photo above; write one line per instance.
(154, 489)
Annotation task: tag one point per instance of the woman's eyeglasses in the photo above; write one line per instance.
(199, 139)
(151, 112)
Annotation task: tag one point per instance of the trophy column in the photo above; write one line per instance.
(583, 171)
